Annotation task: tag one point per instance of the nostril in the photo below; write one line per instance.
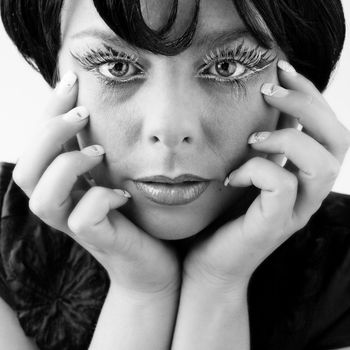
(171, 141)
(155, 139)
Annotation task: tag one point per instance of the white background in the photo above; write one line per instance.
(23, 94)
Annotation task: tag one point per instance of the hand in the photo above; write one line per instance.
(288, 197)
(134, 260)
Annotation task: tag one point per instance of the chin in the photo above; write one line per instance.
(165, 225)
(170, 232)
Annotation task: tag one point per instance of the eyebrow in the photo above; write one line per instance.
(104, 35)
(218, 38)
(209, 40)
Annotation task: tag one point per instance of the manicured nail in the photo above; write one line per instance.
(93, 151)
(229, 178)
(258, 137)
(66, 84)
(76, 114)
(274, 90)
(122, 193)
(286, 67)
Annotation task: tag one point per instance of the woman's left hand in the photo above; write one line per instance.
(288, 198)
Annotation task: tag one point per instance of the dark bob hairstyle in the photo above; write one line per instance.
(310, 32)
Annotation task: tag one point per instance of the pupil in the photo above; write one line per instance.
(120, 68)
(225, 68)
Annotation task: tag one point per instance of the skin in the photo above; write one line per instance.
(170, 104)
(125, 241)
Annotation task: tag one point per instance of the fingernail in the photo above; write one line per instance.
(273, 90)
(258, 137)
(229, 178)
(123, 193)
(66, 84)
(76, 115)
(93, 151)
(286, 67)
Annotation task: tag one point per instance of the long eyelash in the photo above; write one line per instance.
(95, 57)
(250, 57)
(254, 59)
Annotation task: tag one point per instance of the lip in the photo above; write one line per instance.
(172, 193)
(166, 179)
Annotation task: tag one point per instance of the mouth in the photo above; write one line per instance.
(163, 190)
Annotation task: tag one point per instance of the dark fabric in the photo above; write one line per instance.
(299, 297)
(56, 288)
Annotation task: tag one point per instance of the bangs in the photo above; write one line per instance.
(126, 20)
(310, 33)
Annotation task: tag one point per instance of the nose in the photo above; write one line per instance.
(170, 118)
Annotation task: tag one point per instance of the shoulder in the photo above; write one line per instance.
(330, 321)
(334, 211)
(303, 288)
(13, 200)
(57, 288)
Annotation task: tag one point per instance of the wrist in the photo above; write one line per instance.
(211, 284)
(211, 316)
(131, 319)
(146, 297)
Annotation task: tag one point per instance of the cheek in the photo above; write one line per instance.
(237, 116)
(112, 123)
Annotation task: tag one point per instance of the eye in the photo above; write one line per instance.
(226, 69)
(236, 64)
(119, 69)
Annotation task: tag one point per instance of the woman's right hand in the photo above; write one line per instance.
(135, 261)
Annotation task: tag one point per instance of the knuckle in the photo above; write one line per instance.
(255, 161)
(97, 193)
(308, 99)
(38, 207)
(17, 177)
(63, 158)
(76, 221)
(346, 140)
(290, 183)
(289, 134)
(311, 85)
(68, 160)
(47, 130)
(21, 180)
(333, 169)
(76, 224)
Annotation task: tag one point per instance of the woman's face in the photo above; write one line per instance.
(157, 115)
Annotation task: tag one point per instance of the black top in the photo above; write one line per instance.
(299, 297)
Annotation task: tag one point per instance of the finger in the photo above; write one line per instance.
(89, 219)
(46, 146)
(52, 199)
(316, 168)
(273, 206)
(98, 227)
(319, 122)
(284, 122)
(63, 97)
(291, 79)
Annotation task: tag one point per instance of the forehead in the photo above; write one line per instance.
(214, 16)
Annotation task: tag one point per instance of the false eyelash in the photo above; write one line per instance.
(250, 57)
(254, 59)
(96, 57)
